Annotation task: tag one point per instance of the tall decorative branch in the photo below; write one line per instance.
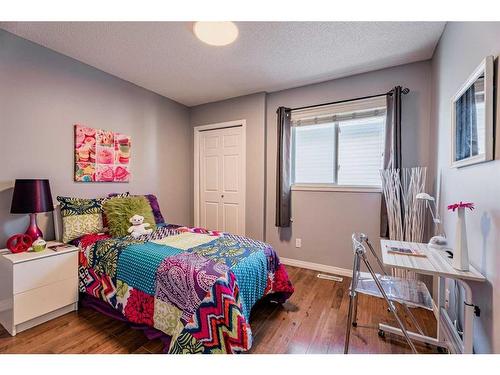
(414, 210)
(405, 213)
(391, 186)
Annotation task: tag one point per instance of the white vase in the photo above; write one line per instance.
(461, 253)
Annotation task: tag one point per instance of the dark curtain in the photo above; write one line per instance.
(283, 169)
(466, 125)
(392, 151)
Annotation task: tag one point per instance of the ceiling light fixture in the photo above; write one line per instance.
(216, 33)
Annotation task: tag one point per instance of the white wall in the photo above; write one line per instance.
(461, 48)
(43, 93)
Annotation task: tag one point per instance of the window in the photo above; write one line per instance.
(339, 145)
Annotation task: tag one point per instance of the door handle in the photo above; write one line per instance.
(222, 196)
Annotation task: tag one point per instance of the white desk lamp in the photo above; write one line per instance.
(438, 241)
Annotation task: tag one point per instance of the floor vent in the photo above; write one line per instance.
(330, 277)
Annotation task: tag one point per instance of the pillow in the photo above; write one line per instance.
(120, 209)
(155, 206)
(113, 195)
(153, 202)
(80, 216)
(118, 195)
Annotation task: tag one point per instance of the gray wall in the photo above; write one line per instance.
(462, 47)
(43, 93)
(252, 109)
(326, 220)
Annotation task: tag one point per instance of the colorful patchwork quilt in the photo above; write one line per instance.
(196, 286)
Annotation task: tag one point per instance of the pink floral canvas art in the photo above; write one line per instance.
(101, 155)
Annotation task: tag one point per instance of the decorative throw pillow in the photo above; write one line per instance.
(153, 202)
(155, 206)
(113, 195)
(80, 216)
(119, 210)
(118, 195)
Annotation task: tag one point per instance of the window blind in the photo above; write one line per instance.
(338, 117)
(339, 112)
(339, 144)
(361, 147)
(314, 156)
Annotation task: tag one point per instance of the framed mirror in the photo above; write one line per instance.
(472, 118)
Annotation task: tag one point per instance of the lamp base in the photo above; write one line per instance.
(438, 242)
(33, 231)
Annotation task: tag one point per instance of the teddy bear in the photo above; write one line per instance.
(138, 228)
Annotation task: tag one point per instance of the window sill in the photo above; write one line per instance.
(337, 188)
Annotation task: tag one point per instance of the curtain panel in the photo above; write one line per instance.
(392, 151)
(283, 168)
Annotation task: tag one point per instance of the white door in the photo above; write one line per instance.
(222, 178)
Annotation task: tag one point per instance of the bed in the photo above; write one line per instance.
(193, 287)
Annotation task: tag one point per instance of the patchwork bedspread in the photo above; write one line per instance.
(196, 286)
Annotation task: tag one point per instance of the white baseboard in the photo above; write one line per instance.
(317, 267)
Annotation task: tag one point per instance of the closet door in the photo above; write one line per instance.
(210, 180)
(222, 169)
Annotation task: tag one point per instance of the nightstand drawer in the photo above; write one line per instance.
(36, 302)
(40, 272)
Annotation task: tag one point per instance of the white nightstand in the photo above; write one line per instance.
(36, 287)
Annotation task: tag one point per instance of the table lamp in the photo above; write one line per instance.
(438, 241)
(32, 196)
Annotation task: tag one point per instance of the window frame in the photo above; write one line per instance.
(330, 110)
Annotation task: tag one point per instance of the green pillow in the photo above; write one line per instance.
(119, 210)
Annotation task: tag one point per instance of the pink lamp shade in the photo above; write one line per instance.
(32, 196)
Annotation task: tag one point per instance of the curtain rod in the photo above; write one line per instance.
(403, 91)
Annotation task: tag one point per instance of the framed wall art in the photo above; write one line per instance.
(472, 128)
(101, 155)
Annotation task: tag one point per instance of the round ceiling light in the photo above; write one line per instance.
(216, 33)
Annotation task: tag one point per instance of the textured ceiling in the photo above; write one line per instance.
(165, 57)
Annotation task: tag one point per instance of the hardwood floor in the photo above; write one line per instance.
(312, 321)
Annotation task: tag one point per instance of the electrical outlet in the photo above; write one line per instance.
(298, 242)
